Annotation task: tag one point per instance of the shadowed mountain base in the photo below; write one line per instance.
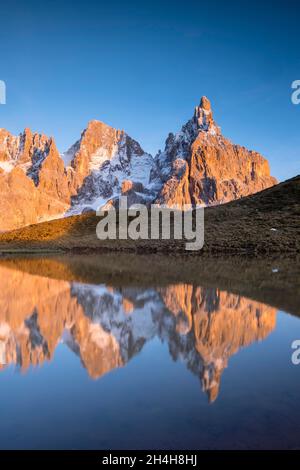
(267, 222)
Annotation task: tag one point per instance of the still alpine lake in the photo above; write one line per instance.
(99, 355)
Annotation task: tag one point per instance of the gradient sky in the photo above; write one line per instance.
(142, 66)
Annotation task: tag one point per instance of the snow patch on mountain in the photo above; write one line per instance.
(119, 158)
(7, 167)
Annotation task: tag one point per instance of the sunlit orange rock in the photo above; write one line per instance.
(200, 166)
(33, 180)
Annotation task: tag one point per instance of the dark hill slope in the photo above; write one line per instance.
(266, 222)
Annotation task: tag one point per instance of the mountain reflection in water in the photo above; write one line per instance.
(121, 351)
(107, 326)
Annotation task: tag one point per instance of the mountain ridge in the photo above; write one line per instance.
(204, 167)
(198, 166)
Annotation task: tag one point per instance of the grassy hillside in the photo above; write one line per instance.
(243, 226)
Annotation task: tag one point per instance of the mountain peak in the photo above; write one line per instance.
(27, 132)
(204, 118)
(205, 103)
(201, 167)
(96, 125)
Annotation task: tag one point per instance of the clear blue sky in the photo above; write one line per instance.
(142, 66)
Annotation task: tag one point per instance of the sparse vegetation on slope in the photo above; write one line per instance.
(266, 222)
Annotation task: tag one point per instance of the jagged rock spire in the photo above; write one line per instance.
(200, 166)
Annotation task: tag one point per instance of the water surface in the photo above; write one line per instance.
(112, 365)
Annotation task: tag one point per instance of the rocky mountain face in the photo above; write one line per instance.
(198, 166)
(101, 161)
(33, 180)
(37, 183)
(106, 327)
